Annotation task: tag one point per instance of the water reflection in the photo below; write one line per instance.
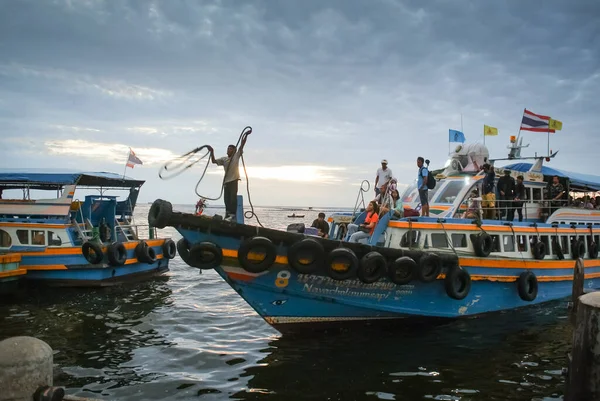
(511, 356)
(93, 332)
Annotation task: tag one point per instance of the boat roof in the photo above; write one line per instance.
(45, 179)
(577, 181)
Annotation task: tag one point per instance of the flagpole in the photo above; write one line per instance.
(519, 134)
(127, 160)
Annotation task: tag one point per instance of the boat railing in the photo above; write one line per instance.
(360, 198)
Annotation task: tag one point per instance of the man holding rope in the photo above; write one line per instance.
(230, 164)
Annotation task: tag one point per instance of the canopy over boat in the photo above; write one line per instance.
(52, 179)
(577, 181)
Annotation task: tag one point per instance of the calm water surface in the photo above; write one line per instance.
(188, 335)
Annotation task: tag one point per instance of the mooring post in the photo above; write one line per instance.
(583, 382)
(578, 278)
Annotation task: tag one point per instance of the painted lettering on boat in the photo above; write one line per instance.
(379, 285)
(313, 289)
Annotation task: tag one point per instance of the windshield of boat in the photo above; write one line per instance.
(450, 191)
(411, 195)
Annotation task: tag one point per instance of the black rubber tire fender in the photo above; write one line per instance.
(577, 249)
(457, 283)
(593, 250)
(527, 286)
(205, 256)
(303, 247)
(145, 253)
(430, 267)
(96, 256)
(169, 249)
(557, 249)
(482, 244)
(402, 270)
(539, 250)
(250, 245)
(116, 253)
(372, 267)
(344, 255)
(183, 249)
(160, 213)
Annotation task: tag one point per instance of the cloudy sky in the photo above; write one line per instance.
(329, 87)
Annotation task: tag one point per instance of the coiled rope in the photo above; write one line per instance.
(177, 166)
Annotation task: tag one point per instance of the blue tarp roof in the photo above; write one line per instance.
(577, 181)
(44, 178)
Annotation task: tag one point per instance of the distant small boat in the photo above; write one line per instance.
(293, 215)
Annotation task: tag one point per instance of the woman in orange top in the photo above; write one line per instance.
(369, 225)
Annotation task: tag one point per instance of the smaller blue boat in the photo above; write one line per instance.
(63, 241)
(10, 273)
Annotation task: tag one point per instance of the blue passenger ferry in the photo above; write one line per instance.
(449, 265)
(64, 241)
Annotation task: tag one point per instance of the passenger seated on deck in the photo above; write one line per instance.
(38, 239)
(321, 225)
(368, 226)
(394, 205)
(474, 206)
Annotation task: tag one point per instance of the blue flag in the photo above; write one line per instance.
(456, 136)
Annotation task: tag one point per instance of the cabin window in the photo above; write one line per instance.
(54, 239)
(439, 241)
(38, 237)
(23, 236)
(597, 239)
(459, 240)
(509, 243)
(537, 194)
(5, 241)
(496, 243)
(410, 238)
(522, 243)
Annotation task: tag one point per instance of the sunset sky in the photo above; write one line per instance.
(329, 87)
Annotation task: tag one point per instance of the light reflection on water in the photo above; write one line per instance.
(185, 335)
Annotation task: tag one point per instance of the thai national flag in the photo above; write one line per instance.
(535, 122)
(133, 159)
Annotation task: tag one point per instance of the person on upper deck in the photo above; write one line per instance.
(555, 193)
(384, 175)
(422, 186)
(518, 200)
(393, 205)
(489, 195)
(506, 190)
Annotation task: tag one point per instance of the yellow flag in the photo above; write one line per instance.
(555, 124)
(490, 131)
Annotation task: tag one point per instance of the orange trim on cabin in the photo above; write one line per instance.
(489, 228)
(10, 258)
(34, 225)
(526, 263)
(13, 273)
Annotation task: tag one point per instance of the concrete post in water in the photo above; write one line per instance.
(583, 382)
(578, 279)
(25, 365)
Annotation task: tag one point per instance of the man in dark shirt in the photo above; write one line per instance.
(506, 190)
(518, 202)
(321, 225)
(489, 195)
(555, 193)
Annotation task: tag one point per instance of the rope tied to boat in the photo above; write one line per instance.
(180, 164)
(441, 221)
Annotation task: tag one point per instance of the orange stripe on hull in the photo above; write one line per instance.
(489, 228)
(76, 250)
(46, 267)
(13, 273)
(10, 258)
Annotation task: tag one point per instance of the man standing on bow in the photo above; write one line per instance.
(384, 175)
(230, 164)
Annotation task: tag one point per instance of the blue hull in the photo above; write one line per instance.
(283, 296)
(67, 267)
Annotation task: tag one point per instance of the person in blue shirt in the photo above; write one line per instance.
(422, 186)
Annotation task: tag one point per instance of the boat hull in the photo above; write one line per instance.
(67, 267)
(286, 298)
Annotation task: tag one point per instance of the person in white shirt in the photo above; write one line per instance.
(230, 164)
(384, 175)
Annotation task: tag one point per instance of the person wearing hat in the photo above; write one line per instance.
(384, 175)
(506, 190)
